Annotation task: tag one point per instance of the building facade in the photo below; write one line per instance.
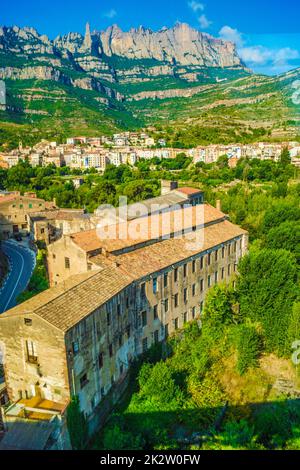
(81, 336)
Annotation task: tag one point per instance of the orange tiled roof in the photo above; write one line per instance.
(65, 305)
(117, 237)
(189, 191)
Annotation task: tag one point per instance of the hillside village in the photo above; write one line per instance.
(85, 153)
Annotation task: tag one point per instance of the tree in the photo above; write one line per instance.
(218, 305)
(248, 348)
(286, 236)
(267, 288)
(285, 157)
(77, 425)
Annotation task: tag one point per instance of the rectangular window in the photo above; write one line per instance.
(108, 318)
(193, 312)
(201, 285)
(223, 252)
(201, 306)
(30, 205)
(100, 360)
(185, 294)
(208, 259)
(110, 350)
(154, 285)
(229, 248)
(31, 352)
(184, 270)
(176, 323)
(209, 281)
(75, 347)
(118, 309)
(145, 345)
(185, 318)
(166, 305)
(175, 274)
(155, 312)
(42, 230)
(176, 300)
(28, 321)
(201, 262)
(143, 289)
(216, 276)
(216, 255)
(193, 290)
(222, 273)
(194, 266)
(83, 380)
(166, 330)
(144, 318)
(67, 263)
(156, 337)
(128, 331)
(166, 280)
(234, 247)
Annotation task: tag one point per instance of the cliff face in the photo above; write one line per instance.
(113, 56)
(180, 45)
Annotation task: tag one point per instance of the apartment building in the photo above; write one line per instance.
(81, 336)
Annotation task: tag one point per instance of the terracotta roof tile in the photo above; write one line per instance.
(68, 303)
(188, 191)
(117, 237)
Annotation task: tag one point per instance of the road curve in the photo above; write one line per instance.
(22, 263)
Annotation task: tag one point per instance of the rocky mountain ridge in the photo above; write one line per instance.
(113, 56)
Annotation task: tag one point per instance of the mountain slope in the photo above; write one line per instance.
(111, 80)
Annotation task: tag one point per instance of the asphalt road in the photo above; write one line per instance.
(22, 263)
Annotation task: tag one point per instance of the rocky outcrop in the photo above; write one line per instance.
(95, 60)
(172, 93)
(178, 45)
(52, 74)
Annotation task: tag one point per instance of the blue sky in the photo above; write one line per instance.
(267, 32)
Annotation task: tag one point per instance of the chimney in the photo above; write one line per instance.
(218, 205)
(167, 186)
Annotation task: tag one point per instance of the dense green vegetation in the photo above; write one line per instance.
(39, 280)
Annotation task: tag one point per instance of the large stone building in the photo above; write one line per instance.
(80, 337)
(75, 253)
(14, 211)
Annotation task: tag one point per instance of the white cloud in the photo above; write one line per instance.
(110, 14)
(204, 22)
(284, 55)
(259, 55)
(230, 34)
(196, 6)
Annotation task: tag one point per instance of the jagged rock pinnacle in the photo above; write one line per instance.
(87, 38)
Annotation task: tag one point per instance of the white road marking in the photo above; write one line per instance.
(19, 277)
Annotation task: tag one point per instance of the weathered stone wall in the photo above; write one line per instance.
(47, 377)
